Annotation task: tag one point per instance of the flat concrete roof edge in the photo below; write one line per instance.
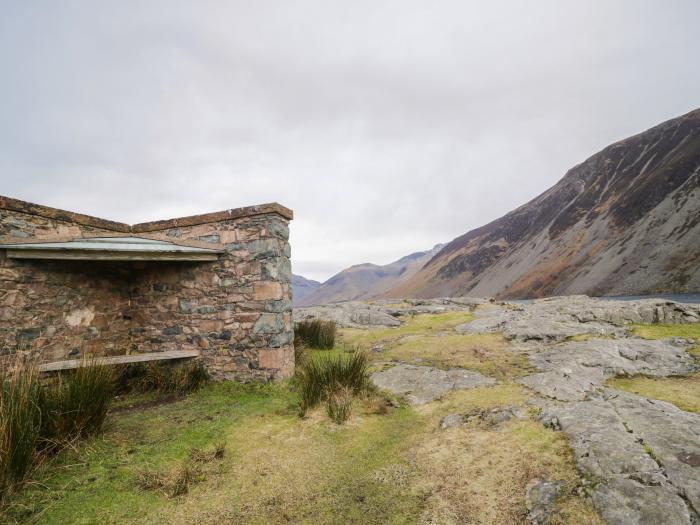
(8, 203)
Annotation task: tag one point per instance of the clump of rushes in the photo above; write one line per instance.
(75, 404)
(178, 379)
(322, 376)
(42, 416)
(316, 333)
(339, 404)
(20, 422)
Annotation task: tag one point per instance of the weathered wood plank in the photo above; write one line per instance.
(69, 364)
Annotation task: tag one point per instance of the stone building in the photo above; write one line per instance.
(218, 285)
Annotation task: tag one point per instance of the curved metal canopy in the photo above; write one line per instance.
(110, 249)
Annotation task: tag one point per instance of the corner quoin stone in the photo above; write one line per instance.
(236, 311)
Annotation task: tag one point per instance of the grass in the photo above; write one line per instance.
(75, 404)
(39, 417)
(333, 377)
(20, 425)
(176, 379)
(417, 324)
(315, 333)
(478, 475)
(664, 331)
(277, 469)
(485, 353)
(388, 463)
(684, 392)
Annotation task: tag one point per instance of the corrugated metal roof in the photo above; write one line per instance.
(109, 248)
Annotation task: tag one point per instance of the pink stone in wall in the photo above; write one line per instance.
(266, 290)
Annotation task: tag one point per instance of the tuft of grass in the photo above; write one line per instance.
(75, 404)
(199, 455)
(323, 374)
(20, 425)
(178, 379)
(339, 404)
(316, 333)
(39, 418)
(177, 480)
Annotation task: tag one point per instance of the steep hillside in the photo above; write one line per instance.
(301, 287)
(364, 281)
(625, 221)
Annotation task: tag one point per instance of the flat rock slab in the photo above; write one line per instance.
(572, 371)
(422, 384)
(559, 318)
(644, 454)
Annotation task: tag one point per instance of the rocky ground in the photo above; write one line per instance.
(639, 458)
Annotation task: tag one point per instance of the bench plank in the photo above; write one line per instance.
(120, 359)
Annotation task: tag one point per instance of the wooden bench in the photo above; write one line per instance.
(69, 364)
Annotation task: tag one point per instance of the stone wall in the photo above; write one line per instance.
(236, 311)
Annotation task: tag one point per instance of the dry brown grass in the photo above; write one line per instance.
(479, 476)
(290, 470)
(485, 353)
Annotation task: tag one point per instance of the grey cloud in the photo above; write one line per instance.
(387, 126)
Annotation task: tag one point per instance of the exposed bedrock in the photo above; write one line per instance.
(559, 318)
(422, 384)
(643, 456)
(349, 315)
(571, 371)
(355, 314)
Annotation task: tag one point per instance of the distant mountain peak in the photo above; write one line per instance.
(366, 280)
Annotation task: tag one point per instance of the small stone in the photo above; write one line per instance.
(453, 420)
(172, 330)
(186, 305)
(540, 498)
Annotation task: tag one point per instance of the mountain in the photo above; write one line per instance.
(625, 221)
(364, 281)
(301, 287)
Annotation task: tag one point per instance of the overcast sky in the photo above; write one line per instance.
(386, 126)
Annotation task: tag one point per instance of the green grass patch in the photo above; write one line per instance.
(684, 392)
(664, 331)
(277, 469)
(412, 325)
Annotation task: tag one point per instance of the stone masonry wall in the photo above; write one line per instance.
(58, 309)
(236, 311)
